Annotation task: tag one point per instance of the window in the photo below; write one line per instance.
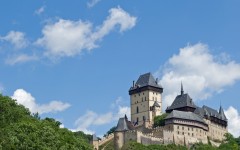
(177, 127)
(178, 132)
(182, 133)
(143, 93)
(143, 118)
(145, 98)
(188, 133)
(142, 99)
(137, 109)
(192, 134)
(183, 128)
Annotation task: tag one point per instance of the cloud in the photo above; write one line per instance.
(16, 38)
(233, 121)
(202, 73)
(22, 58)
(92, 3)
(27, 100)
(40, 10)
(1, 88)
(67, 38)
(91, 118)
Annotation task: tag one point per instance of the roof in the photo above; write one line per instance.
(200, 111)
(144, 80)
(183, 100)
(124, 124)
(156, 104)
(214, 113)
(185, 115)
(221, 112)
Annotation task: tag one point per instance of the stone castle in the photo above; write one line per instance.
(185, 123)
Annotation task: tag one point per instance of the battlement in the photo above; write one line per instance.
(105, 139)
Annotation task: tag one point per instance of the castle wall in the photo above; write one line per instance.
(216, 131)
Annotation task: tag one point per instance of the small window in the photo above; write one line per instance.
(178, 132)
(192, 134)
(143, 118)
(182, 133)
(177, 127)
(145, 98)
(143, 93)
(137, 109)
(183, 128)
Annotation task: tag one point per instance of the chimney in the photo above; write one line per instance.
(133, 83)
(157, 80)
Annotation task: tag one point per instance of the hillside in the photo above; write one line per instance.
(19, 129)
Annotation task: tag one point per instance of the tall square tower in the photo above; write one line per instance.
(145, 99)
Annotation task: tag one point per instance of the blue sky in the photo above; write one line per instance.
(75, 61)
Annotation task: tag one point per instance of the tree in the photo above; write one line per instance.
(159, 120)
(21, 130)
(229, 143)
(110, 131)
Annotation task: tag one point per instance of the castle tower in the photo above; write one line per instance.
(145, 99)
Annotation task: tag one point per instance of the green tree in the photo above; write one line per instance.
(159, 120)
(21, 130)
(110, 131)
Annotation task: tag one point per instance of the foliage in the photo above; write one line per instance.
(137, 146)
(201, 146)
(229, 143)
(21, 130)
(159, 120)
(110, 131)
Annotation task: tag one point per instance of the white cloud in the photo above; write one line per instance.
(202, 73)
(92, 3)
(27, 100)
(70, 38)
(40, 10)
(1, 88)
(16, 38)
(22, 58)
(91, 118)
(233, 121)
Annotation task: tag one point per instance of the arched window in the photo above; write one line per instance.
(143, 118)
(137, 109)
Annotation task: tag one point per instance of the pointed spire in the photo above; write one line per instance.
(182, 92)
(221, 112)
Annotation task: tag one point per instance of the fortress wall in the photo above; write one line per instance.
(106, 139)
(148, 139)
(216, 131)
(130, 136)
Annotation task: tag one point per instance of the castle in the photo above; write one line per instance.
(185, 123)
